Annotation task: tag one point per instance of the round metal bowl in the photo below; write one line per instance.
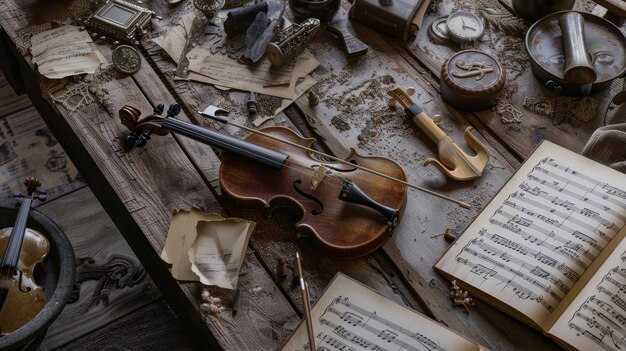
(57, 275)
(605, 42)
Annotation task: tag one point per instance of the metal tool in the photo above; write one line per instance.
(455, 163)
(291, 41)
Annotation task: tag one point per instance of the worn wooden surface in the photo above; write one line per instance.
(139, 188)
(112, 284)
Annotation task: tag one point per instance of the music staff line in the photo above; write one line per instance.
(551, 234)
(555, 186)
(548, 220)
(519, 290)
(515, 272)
(610, 190)
(560, 250)
(421, 339)
(537, 271)
(570, 206)
(606, 223)
(537, 255)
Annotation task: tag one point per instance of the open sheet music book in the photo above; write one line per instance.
(549, 249)
(351, 317)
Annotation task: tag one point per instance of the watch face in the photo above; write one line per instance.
(464, 26)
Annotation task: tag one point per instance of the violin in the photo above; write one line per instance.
(21, 299)
(350, 205)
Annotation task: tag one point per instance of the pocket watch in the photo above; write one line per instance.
(464, 27)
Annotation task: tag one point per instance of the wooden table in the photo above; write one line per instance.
(140, 188)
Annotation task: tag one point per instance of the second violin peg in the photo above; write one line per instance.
(159, 109)
(173, 110)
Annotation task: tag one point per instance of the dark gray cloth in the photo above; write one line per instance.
(607, 145)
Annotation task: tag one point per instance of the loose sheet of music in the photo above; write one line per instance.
(351, 317)
(542, 238)
(596, 319)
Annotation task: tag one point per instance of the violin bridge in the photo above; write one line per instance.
(317, 178)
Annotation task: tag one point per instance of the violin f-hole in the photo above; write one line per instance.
(20, 283)
(314, 211)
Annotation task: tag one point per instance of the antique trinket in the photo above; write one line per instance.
(119, 20)
(126, 59)
(472, 80)
(545, 46)
(464, 27)
(291, 41)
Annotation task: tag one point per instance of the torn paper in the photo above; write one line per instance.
(224, 71)
(218, 252)
(65, 51)
(305, 63)
(183, 233)
(174, 41)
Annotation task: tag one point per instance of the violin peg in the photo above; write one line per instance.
(131, 140)
(159, 109)
(173, 110)
(143, 138)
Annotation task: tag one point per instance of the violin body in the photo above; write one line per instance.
(344, 229)
(23, 298)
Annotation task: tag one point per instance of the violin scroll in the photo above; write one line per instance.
(142, 128)
(32, 184)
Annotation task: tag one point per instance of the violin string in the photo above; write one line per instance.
(8, 269)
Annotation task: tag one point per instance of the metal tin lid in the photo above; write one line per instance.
(473, 73)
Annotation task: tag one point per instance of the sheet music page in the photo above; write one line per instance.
(351, 317)
(596, 319)
(544, 229)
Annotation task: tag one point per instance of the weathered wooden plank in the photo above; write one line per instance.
(353, 107)
(152, 327)
(271, 240)
(111, 282)
(11, 102)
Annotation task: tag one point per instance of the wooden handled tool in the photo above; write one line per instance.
(453, 161)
